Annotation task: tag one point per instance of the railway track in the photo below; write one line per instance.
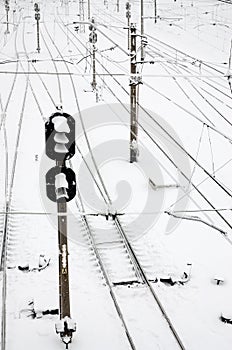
(108, 269)
(123, 271)
(129, 271)
(99, 259)
(226, 1)
(127, 260)
(126, 255)
(113, 250)
(5, 241)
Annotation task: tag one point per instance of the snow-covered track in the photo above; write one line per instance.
(150, 286)
(114, 252)
(132, 274)
(105, 271)
(39, 77)
(93, 245)
(226, 1)
(133, 270)
(8, 205)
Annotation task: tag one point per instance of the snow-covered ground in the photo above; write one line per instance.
(184, 119)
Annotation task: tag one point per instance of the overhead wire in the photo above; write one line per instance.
(184, 174)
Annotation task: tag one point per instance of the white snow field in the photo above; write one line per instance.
(172, 208)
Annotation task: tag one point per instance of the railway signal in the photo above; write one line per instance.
(61, 183)
(7, 8)
(60, 136)
(93, 40)
(128, 16)
(37, 18)
(61, 188)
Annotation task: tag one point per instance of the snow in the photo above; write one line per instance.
(179, 94)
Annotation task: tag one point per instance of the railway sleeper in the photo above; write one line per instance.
(127, 283)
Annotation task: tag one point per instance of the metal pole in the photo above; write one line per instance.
(14, 16)
(93, 40)
(128, 23)
(38, 43)
(89, 10)
(63, 256)
(7, 8)
(128, 16)
(63, 259)
(94, 83)
(37, 18)
(7, 21)
(117, 5)
(133, 102)
(155, 11)
(142, 31)
(82, 16)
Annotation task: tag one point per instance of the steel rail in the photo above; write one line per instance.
(6, 223)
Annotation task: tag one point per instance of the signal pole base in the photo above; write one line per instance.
(65, 328)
